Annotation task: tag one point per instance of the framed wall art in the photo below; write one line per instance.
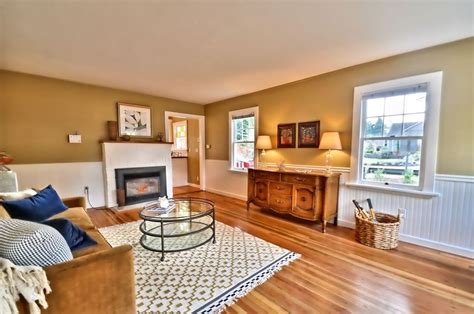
(286, 135)
(308, 134)
(134, 120)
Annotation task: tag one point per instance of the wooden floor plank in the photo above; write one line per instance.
(335, 273)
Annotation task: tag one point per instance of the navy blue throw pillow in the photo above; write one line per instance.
(37, 208)
(75, 237)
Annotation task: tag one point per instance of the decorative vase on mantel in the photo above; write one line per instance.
(159, 137)
(112, 128)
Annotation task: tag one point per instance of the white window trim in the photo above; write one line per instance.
(241, 112)
(430, 140)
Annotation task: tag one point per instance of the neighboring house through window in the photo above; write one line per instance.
(395, 133)
(243, 125)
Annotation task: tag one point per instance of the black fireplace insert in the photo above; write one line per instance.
(137, 185)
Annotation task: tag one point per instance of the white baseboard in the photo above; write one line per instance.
(228, 194)
(194, 185)
(438, 246)
(422, 242)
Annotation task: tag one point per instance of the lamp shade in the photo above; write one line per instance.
(330, 140)
(264, 142)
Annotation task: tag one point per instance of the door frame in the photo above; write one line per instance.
(201, 139)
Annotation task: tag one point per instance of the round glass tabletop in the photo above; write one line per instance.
(182, 209)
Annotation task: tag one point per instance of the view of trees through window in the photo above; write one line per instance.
(393, 136)
(243, 142)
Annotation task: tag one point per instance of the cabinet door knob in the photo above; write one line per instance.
(303, 199)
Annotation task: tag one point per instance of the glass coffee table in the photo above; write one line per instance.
(190, 224)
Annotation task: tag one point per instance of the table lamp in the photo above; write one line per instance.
(330, 141)
(263, 142)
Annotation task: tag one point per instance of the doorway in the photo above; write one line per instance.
(186, 131)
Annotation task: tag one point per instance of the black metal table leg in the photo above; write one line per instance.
(162, 242)
(213, 226)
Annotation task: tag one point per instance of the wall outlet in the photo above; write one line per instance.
(402, 212)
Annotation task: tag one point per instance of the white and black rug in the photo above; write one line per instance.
(202, 280)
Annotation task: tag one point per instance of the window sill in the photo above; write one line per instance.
(238, 170)
(424, 194)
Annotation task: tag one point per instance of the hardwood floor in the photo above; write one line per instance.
(335, 273)
(178, 190)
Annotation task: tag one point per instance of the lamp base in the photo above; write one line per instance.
(328, 161)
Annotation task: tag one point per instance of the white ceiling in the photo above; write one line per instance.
(204, 51)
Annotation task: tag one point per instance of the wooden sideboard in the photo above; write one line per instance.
(311, 195)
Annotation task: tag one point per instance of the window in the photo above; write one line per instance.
(395, 131)
(180, 136)
(243, 127)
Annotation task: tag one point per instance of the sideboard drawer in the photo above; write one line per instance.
(280, 203)
(267, 175)
(281, 188)
(298, 179)
(261, 192)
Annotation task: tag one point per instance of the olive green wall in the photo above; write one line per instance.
(37, 114)
(329, 98)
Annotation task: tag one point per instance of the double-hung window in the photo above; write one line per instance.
(395, 133)
(180, 137)
(243, 129)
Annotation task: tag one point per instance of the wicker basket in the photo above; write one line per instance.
(381, 235)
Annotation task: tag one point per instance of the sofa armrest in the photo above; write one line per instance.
(102, 282)
(76, 201)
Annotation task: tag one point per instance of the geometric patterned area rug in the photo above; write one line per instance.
(201, 280)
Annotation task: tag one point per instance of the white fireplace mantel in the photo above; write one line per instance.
(117, 155)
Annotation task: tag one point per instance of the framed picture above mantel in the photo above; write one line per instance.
(308, 134)
(134, 120)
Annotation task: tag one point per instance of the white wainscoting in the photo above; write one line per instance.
(445, 222)
(220, 180)
(69, 179)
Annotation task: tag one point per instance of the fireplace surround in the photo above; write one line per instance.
(141, 184)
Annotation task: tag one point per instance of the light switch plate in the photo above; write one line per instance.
(75, 139)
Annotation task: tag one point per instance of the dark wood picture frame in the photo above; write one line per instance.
(121, 120)
(308, 134)
(286, 135)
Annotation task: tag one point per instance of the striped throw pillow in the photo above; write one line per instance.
(30, 243)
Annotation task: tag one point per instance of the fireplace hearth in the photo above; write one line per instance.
(138, 185)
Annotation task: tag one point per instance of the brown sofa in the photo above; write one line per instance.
(100, 279)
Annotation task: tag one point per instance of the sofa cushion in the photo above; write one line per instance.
(13, 196)
(75, 237)
(36, 208)
(78, 216)
(30, 243)
(101, 245)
